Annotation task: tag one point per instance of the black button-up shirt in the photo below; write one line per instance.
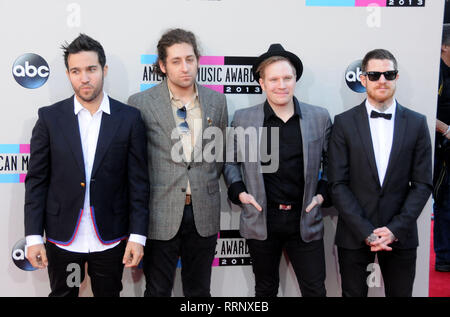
(286, 184)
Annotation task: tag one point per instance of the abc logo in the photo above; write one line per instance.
(18, 256)
(31, 71)
(352, 77)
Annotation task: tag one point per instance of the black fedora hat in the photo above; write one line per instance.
(278, 50)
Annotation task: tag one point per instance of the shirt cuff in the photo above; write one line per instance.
(138, 239)
(322, 189)
(234, 190)
(33, 240)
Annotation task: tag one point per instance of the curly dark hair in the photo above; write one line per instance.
(171, 37)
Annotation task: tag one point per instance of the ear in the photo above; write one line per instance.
(363, 80)
(162, 66)
(105, 70)
(261, 83)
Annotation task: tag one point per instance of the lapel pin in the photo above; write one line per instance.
(209, 121)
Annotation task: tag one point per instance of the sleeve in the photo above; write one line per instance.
(138, 181)
(37, 179)
(420, 185)
(322, 185)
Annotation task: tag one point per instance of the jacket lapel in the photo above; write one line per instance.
(397, 141)
(68, 124)
(362, 124)
(208, 114)
(163, 112)
(108, 128)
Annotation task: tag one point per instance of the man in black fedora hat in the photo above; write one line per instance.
(281, 197)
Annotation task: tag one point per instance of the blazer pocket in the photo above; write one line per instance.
(213, 186)
(53, 208)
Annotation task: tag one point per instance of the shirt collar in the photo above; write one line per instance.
(172, 97)
(268, 111)
(104, 105)
(390, 110)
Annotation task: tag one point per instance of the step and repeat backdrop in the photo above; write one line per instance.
(330, 36)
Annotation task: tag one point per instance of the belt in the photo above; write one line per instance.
(188, 200)
(284, 207)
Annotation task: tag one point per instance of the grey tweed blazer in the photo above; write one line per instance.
(168, 178)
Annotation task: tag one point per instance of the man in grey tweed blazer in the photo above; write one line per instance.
(279, 191)
(184, 187)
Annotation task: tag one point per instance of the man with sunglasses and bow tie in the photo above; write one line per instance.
(184, 187)
(380, 180)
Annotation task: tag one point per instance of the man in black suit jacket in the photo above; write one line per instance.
(87, 185)
(380, 180)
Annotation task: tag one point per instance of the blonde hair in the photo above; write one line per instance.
(271, 60)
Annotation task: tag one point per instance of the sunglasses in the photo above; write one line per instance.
(374, 76)
(183, 126)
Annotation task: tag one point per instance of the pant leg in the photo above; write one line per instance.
(266, 256)
(353, 270)
(106, 270)
(398, 268)
(159, 265)
(197, 255)
(308, 262)
(441, 229)
(65, 271)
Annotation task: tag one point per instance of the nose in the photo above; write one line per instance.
(84, 77)
(281, 84)
(184, 66)
(382, 79)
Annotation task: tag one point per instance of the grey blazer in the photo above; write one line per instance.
(315, 125)
(168, 178)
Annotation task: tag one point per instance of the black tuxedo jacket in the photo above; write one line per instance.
(55, 182)
(363, 204)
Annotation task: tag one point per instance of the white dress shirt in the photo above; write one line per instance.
(86, 239)
(382, 132)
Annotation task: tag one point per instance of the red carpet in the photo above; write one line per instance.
(439, 281)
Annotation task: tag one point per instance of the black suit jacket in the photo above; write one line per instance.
(363, 204)
(55, 182)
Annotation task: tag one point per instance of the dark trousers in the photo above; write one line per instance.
(307, 259)
(398, 268)
(441, 228)
(66, 269)
(197, 254)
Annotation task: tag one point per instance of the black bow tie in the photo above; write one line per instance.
(386, 116)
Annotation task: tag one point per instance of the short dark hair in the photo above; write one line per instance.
(378, 54)
(171, 37)
(446, 34)
(83, 43)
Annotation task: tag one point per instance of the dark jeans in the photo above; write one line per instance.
(197, 254)
(441, 229)
(66, 268)
(398, 268)
(307, 259)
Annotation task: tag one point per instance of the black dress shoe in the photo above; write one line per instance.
(444, 267)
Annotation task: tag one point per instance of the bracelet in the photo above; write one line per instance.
(447, 132)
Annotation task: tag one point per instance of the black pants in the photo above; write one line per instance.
(398, 268)
(197, 254)
(66, 269)
(307, 259)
